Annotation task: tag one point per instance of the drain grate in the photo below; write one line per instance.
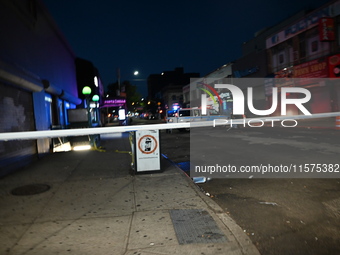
(195, 226)
(31, 189)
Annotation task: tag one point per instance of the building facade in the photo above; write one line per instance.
(307, 50)
(304, 49)
(217, 102)
(88, 76)
(37, 79)
(168, 86)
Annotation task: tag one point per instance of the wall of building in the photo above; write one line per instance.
(298, 51)
(172, 95)
(177, 77)
(289, 49)
(293, 49)
(31, 40)
(37, 79)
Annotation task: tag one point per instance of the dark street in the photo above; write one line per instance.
(280, 215)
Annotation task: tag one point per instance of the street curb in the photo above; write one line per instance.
(247, 246)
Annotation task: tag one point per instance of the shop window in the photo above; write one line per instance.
(302, 48)
(281, 58)
(314, 46)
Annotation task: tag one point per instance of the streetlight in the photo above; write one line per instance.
(87, 92)
(95, 99)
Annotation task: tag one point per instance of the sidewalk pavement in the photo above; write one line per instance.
(95, 206)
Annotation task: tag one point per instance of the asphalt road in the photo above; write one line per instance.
(287, 213)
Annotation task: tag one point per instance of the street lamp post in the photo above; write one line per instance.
(95, 99)
(87, 92)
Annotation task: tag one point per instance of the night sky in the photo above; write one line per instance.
(154, 36)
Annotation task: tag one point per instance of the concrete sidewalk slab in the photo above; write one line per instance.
(165, 191)
(94, 206)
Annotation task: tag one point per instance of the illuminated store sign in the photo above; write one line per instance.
(114, 102)
(302, 25)
(326, 29)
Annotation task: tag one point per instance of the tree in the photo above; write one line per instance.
(132, 94)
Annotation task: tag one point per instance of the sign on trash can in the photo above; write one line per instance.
(145, 148)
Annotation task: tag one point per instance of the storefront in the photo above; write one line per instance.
(17, 114)
(312, 75)
(111, 107)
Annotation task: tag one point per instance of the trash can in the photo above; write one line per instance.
(145, 146)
